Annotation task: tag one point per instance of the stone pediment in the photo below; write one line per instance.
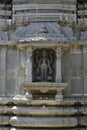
(43, 31)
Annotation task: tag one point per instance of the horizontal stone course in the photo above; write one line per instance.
(83, 121)
(4, 120)
(43, 111)
(43, 122)
(44, 129)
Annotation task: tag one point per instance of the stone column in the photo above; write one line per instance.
(3, 71)
(59, 95)
(29, 65)
(84, 61)
(58, 65)
(21, 71)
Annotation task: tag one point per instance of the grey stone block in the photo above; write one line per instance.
(45, 129)
(2, 86)
(12, 60)
(11, 88)
(83, 121)
(76, 85)
(4, 128)
(76, 61)
(36, 111)
(85, 85)
(43, 122)
(4, 120)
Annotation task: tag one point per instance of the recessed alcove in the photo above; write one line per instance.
(43, 65)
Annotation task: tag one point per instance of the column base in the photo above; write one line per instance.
(59, 96)
(28, 95)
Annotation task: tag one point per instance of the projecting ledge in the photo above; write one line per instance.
(45, 88)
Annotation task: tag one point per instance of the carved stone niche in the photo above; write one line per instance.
(44, 65)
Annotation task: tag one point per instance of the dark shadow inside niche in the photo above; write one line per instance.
(44, 65)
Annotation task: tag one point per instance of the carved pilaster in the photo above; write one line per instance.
(59, 96)
(58, 65)
(28, 95)
(29, 65)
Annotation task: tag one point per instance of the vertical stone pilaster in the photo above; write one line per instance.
(3, 71)
(29, 65)
(21, 71)
(84, 58)
(58, 65)
(11, 71)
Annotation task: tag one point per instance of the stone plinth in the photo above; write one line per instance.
(43, 111)
(44, 122)
(44, 88)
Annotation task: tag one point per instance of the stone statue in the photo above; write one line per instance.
(44, 69)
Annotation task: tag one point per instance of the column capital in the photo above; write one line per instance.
(29, 65)
(29, 52)
(58, 52)
(58, 49)
(29, 49)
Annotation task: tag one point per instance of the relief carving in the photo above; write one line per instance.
(44, 65)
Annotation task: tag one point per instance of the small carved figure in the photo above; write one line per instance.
(44, 67)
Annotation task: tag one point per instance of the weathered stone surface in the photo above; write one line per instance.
(83, 101)
(3, 36)
(84, 52)
(83, 121)
(4, 128)
(4, 100)
(83, 110)
(43, 122)
(82, 128)
(76, 85)
(83, 36)
(54, 27)
(44, 87)
(11, 73)
(3, 109)
(42, 31)
(36, 111)
(4, 120)
(2, 70)
(46, 129)
(22, 100)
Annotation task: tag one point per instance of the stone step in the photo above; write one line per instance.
(44, 129)
(42, 1)
(44, 6)
(43, 111)
(4, 128)
(45, 122)
(38, 111)
(83, 121)
(4, 120)
(13, 128)
(83, 110)
(33, 16)
(22, 100)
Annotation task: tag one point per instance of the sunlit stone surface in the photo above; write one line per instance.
(43, 65)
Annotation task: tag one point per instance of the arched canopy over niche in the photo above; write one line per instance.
(44, 65)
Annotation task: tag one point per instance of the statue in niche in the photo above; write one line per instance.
(43, 69)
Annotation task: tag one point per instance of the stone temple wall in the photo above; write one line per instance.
(13, 70)
(10, 62)
(18, 112)
(26, 25)
(74, 68)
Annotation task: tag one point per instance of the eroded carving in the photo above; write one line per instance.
(43, 65)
